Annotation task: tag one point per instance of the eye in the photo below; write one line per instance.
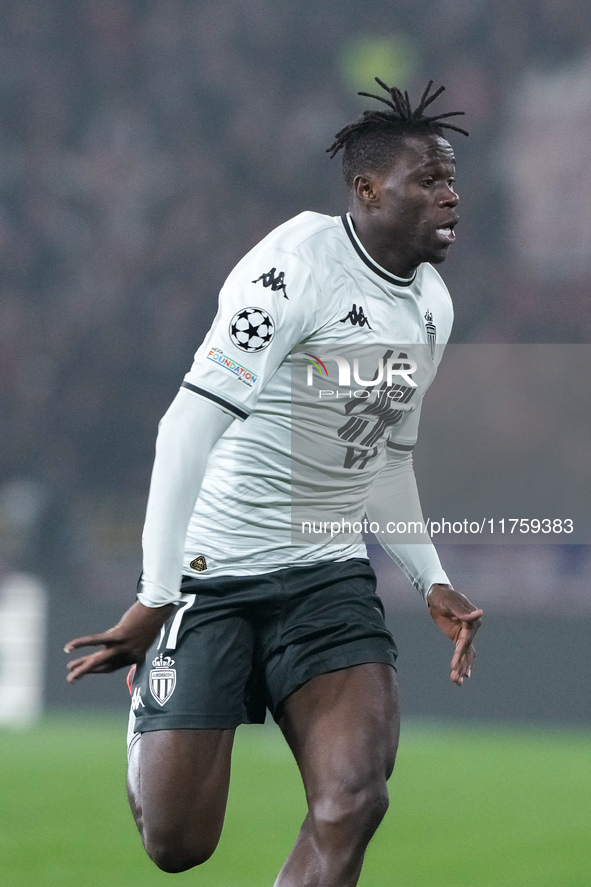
(427, 183)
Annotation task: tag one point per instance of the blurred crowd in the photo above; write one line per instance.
(147, 144)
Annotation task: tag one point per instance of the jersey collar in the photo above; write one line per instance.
(365, 257)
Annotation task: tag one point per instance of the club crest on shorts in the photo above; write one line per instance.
(162, 679)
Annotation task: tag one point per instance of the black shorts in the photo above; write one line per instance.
(239, 645)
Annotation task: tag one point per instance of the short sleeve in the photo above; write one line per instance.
(267, 305)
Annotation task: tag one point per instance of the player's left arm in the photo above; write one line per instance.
(395, 500)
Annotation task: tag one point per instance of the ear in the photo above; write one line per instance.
(366, 190)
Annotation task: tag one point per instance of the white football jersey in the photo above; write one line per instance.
(323, 357)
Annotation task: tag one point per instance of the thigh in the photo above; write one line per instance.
(178, 784)
(331, 619)
(343, 727)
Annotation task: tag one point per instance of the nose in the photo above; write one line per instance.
(449, 197)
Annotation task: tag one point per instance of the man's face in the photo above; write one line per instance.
(415, 208)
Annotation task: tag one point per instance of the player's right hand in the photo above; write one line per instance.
(124, 644)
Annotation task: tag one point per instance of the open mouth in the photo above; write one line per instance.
(446, 233)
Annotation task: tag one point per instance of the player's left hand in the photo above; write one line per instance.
(459, 620)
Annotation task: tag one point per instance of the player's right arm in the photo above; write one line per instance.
(230, 369)
(186, 436)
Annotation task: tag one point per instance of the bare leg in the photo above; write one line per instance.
(343, 730)
(177, 782)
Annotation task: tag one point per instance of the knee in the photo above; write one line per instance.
(174, 856)
(353, 810)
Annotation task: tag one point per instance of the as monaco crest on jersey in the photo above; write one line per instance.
(162, 679)
(431, 333)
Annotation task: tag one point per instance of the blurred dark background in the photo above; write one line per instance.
(147, 144)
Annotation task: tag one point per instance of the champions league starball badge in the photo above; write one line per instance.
(162, 679)
(251, 329)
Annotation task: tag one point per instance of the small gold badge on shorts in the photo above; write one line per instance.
(199, 564)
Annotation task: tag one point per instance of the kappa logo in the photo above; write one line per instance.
(136, 700)
(357, 317)
(277, 283)
(162, 679)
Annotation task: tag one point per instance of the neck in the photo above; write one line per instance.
(380, 247)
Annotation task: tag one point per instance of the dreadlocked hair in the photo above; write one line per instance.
(367, 142)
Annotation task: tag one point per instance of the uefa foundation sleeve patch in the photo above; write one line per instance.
(241, 372)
